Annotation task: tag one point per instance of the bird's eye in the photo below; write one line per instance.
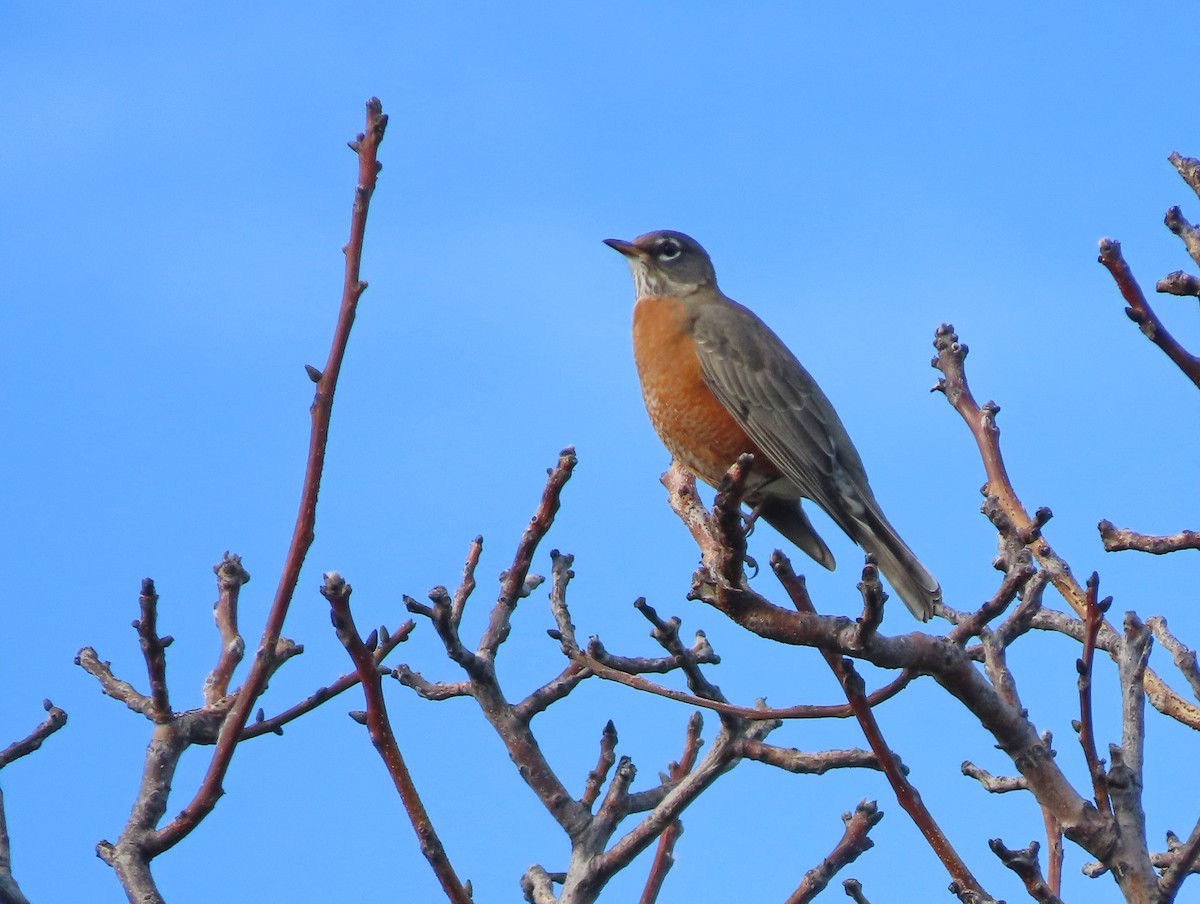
(669, 250)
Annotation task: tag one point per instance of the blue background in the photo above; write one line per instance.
(176, 189)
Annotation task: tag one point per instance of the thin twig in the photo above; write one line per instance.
(514, 583)
(154, 652)
(853, 844)
(1094, 617)
(274, 724)
(1116, 539)
(906, 793)
(210, 790)
(1024, 863)
(10, 891)
(595, 779)
(664, 855)
(231, 576)
(1140, 312)
(337, 592)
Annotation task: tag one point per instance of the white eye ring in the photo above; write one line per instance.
(669, 251)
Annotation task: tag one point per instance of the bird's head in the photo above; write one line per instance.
(666, 263)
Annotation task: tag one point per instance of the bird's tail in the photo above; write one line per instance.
(908, 577)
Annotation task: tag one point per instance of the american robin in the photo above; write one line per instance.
(718, 383)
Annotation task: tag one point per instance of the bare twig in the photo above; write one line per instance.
(210, 790)
(274, 724)
(1087, 738)
(514, 583)
(337, 592)
(1116, 539)
(1136, 875)
(1179, 283)
(1188, 169)
(906, 793)
(1186, 231)
(595, 779)
(1025, 864)
(1183, 862)
(664, 856)
(982, 423)
(601, 669)
(1140, 312)
(55, 719)
(10, 891)
(853, 890)
(231, 576)
(154, 652)
(854, 843)
(995, 784)
(1184, 656)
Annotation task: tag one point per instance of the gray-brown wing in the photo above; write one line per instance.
(782, 409)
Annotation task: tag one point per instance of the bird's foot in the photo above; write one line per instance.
(750, 519)
(751, 563)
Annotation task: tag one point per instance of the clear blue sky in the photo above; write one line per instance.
(175, 191)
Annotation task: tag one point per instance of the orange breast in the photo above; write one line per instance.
(694, 426)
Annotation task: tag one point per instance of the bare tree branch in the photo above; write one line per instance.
(853, 844)
(1140, 312)
(982, 423)
(10, 891)
(1116, 539)
(337, 592)
(1025, 864)
(1087, 738)
(210, 790)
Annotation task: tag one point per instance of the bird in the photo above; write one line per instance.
(718, 383)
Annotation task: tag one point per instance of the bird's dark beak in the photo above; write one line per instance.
(628, 249)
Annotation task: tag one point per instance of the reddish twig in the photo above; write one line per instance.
(1140, 312)
(274, 725)
(664, 855)
(906, 793)
(1054, 852)
(337, 592)
(210, 790)
(1116, 539)
(853, 844)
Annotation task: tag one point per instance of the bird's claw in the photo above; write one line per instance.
(749, 560)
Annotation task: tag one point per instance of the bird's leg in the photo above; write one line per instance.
(751, 518)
